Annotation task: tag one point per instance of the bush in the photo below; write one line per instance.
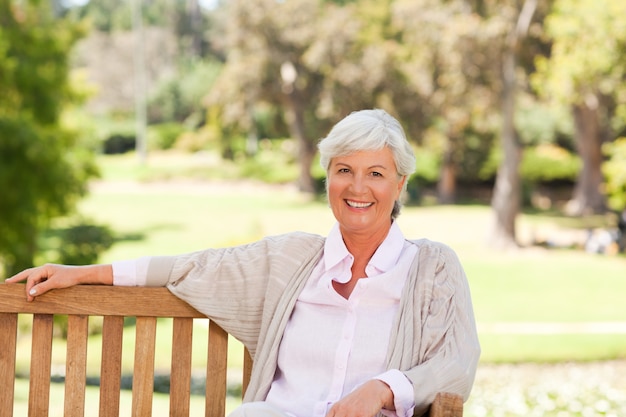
(77, 242)
(549, 163)
(615, 172)
(163, 136)
(118, 143)
(427, 167)
(83, 243)
(179, 97)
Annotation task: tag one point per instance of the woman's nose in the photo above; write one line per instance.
(358, 184)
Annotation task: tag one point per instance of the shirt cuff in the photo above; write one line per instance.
(131, 273)
(402, 389)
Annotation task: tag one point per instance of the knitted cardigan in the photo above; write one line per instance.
(251, 290)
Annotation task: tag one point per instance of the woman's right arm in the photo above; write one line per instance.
(42, 279)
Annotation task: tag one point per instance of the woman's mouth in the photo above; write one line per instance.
(357, 204)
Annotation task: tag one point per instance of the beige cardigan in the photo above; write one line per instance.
(251, 290)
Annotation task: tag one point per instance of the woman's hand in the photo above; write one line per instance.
(365, 401)
(42, 279)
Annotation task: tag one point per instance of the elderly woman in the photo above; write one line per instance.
(360, 323)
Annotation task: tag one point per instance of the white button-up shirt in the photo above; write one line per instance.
(331, 344)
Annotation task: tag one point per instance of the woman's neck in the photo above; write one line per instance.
(363, 245)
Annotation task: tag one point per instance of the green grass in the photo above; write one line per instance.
(530, 285)
(163, 342)
(552, 348)
(160, 402)
(520, 286)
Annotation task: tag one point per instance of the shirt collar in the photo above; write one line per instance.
(383, 260)
(335, 250)
(388, 253)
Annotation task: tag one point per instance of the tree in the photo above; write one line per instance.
(316, 61)
(506, 198)
(265, 44)
(447, 65)
(42, 170)
(586, 71)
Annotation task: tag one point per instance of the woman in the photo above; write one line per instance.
(358, 323)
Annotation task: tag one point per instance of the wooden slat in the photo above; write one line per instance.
(180, 376)
(143, 370)
(41, 355)
(111, 366)
(8, 330)
(76, 365)
(247, 371)
(216, 371)
(447, 405)
(97, 300)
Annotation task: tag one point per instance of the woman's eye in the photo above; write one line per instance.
(377, 174)
(343, 170)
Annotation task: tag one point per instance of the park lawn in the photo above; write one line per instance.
(160, 402)
(551, 348)
(531, 285)
(163, 341)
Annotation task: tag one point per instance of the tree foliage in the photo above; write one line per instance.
(586, 71)
(318, 61)
(457, 73)
(42, 172)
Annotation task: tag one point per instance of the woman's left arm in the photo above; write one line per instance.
(448, 348)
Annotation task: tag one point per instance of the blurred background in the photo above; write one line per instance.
(132, 127)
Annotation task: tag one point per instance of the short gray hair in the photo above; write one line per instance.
(369, 130)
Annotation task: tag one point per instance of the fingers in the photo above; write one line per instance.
(18, 277)
(36, 288)
(36, 279)
(365, 401)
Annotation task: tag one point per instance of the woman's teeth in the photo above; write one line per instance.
(356, 204)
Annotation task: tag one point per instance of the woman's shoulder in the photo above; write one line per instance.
(430, 244)
(297, 239)
(434, 249)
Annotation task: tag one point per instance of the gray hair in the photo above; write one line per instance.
(369, 130)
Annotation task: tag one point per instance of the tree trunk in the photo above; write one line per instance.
(506, 199)
(295, 120)
(306, 151)
(588, 197)
(446, 186)
(505, 202)
(195, 21)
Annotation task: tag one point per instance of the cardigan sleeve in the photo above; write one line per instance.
(230, 285)
(449, 349)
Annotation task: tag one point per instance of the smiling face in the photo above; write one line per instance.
(362, 189)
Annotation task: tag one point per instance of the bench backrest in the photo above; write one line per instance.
(114, 304)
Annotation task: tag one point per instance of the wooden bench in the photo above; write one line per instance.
(114, 304)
